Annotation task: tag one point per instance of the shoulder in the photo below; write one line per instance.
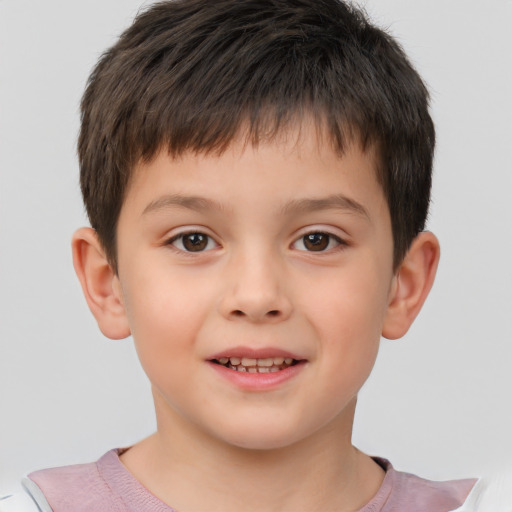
(490, 493)
(18, 501)
(428, 495)
(79, 488)
(410, 492)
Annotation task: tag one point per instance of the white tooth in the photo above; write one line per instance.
(274, 369)
(252, 369)
(263, 370)
(223, 360)
(265, 362)
(288, 360)
(235, 361)
(278, 360)
(246, 361)
(241, 368)
(232, 367)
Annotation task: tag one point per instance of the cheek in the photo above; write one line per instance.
(351, 305)
(348, 315)
(160, 299)
(164, 320)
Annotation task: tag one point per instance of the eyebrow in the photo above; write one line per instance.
(296, 206)
(332, 202)
(178, 200)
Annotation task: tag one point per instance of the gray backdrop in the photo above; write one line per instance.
(438, 402)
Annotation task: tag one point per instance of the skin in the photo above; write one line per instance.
(257, 283)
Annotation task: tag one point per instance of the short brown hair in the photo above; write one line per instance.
(188, 74)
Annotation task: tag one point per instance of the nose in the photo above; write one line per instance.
(255, 290)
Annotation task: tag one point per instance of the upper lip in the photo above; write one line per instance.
(255, 353)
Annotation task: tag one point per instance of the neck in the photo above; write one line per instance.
(322, 472)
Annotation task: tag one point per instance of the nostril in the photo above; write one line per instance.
(272, 313)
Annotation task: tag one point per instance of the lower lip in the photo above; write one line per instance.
(258, 381)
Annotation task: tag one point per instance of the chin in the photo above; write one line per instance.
(261, 437)
(260, 444)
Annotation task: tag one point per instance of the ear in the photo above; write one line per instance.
(411, 285)
(100, 284)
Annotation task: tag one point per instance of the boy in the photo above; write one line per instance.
(257, 177)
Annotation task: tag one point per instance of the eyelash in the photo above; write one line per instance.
(329, 240)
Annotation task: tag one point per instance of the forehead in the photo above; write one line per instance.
(304, 130)
(301, 138)
(298, 167)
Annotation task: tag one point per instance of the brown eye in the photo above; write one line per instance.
(193, 242)
(316, 241)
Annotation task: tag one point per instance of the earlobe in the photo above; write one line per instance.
(100, 284)
(412, 284)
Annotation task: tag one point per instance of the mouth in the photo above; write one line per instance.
(253, 365)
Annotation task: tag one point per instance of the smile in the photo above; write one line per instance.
(262, 365)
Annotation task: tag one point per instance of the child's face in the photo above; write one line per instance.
(280, 251)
